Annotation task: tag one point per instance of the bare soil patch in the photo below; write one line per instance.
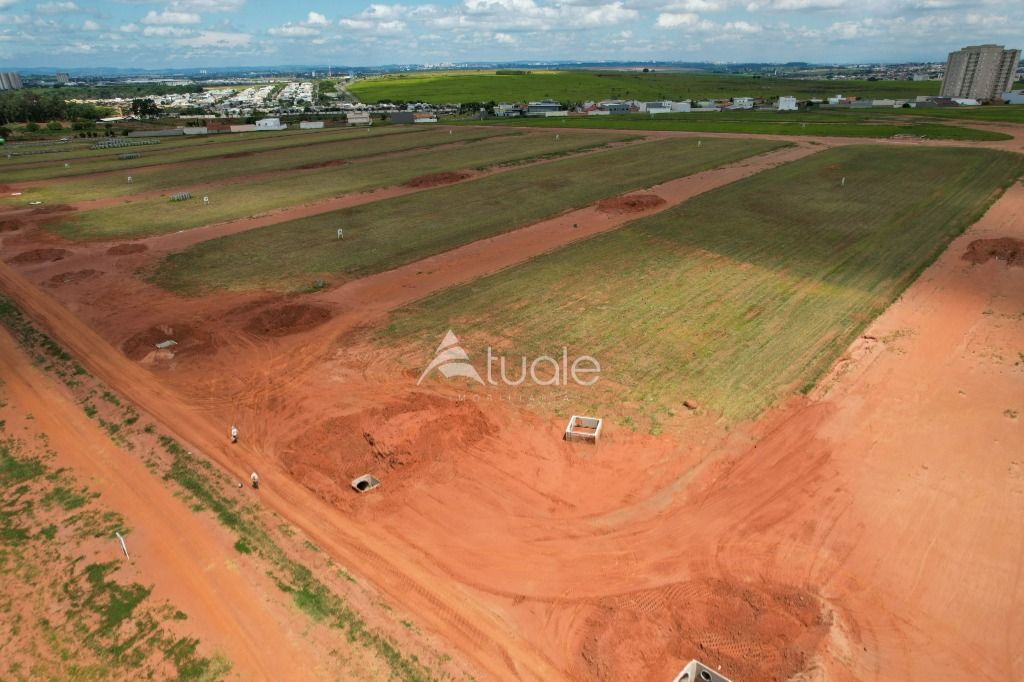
(190, 341)
(437, 179)
(288, 319)
(40, 256)
(630, 203)
(1003, 248)
(126, 249)
(322, 164)
(10, 225)
(52, 208)
(72, 277)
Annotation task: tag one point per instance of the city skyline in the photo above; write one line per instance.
(210, 33)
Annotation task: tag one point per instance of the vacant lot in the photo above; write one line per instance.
(384, 234)
(578, 86)
(19, 169)
(159, 215)
(277, 159)
(738, 296)
(769, 123)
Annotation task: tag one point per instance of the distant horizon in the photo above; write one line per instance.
(181, 34)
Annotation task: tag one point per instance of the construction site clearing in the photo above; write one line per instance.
(802, 459)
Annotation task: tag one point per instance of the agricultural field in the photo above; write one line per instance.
(238, 200)
(47, 166)
(578, 86)
(192, 173)
(388, 233)
(738, 296)
(824, 123)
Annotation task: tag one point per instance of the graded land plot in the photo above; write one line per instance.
(159, 215)
(385, 234)
(736, 297)
(223, 146)
(304, 157)
(579, 86)
(821, 124)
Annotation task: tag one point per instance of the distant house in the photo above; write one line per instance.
(270, 124)
(614, 106)
(681, 106)
(742, 103)
(787, 104)
(658, 107)
(505, 110)
(358, 118)
(544, 107)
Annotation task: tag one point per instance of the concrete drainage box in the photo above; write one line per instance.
(695, 671)
(583, 429)
(364, 483)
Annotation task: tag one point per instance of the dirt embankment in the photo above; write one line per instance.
(437, 179)
(189, 340)
(126, 249)
(287, 319)
(40, 256)
(73, 277)
(1002, 248)
(630, 203)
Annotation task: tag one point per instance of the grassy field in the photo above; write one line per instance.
(736, 297)
(822, 123)
(385, 234)
(155, 216)
(219, 169)
(577, 86)
(19, 169)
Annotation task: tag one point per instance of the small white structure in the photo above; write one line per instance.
(681, 106)
(742, 103)
(270, 124)
(695, 671)
(966, 102)
(585, 429)
(787, 104)
(836, 99)
(358, 118)
(310, 125)
(364, 483)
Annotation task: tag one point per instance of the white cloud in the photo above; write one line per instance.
(90, 25)
(129, 28)
(217, 39)
(505, 39)
(207, 5)
(294, 31)
(165, 32)
(795, 5)
(316, 19)
(676, 19)
(4, 4)
(56, 7)
(170, 18)
(742, 27)
(694, 6)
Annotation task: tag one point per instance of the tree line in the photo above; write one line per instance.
(25, 106)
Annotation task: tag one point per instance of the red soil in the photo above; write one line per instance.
(287, 319)
(126, 249)
(73, 277)
(190, 341)
(1003, 248)
(322, 164)
(630, 203)
(10, 225)
(40, 256)
(437, 179)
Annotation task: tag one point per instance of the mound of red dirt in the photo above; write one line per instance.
(322, 164)
(754, 631)
(435, 179)
(388, 441)
(288, 319)
(1003, 248)
(126, 249)
(10, 225)
(190, 341)
(40, 256)
(72, 277)
(630, 203)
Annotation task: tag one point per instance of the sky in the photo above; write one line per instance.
(212, 33)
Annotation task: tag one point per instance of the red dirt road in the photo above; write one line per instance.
(187, 558)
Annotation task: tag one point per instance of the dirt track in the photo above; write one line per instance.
(872, 532)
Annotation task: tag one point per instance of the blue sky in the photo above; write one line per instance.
(179, 33)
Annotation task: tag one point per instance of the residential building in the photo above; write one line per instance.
(681, 106)
(543, 107)
(614, 106)
(12, 81)
(659, 107)
(62, 78)
(787, 104)
(505, 110)
(270, 124)
(742, 103)
(980, 72)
